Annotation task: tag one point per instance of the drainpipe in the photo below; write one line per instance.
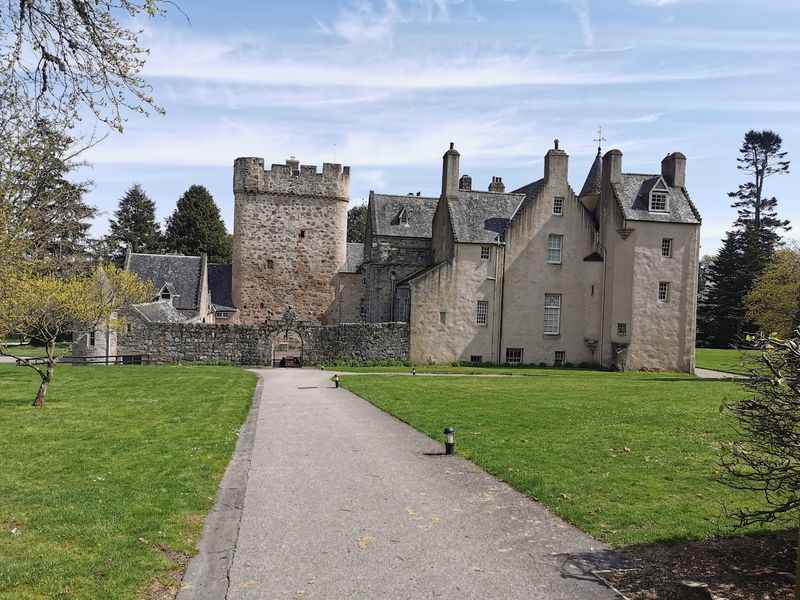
(603, 307)
(502, 300)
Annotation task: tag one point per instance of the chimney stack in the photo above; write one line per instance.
(612, 166)
(497, 185)
(465, 183)
(673, 169)
(450, 171)
(556, 164)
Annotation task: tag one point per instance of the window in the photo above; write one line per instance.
(558, 205)
(302, 233)
(270, 263)
(514, 356)
(554, 248)
(476, 359)
(223, 315)
(560, 358)
(666, 248)
(552, 314)
(485, 252)
(622, 329)
(443, 318)
(483, 312)
(92, 339)
(663, 291)
(165, 293)
(659, 198)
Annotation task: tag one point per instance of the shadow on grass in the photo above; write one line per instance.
(749, 566)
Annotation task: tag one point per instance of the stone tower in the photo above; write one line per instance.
(290, 238)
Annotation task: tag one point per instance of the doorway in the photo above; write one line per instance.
(287, 350)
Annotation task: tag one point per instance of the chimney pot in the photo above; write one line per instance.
(497, 185)
(612, 166)
(673, 169)
(465, 183)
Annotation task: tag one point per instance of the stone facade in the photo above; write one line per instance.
(251, 345)
(290, 230)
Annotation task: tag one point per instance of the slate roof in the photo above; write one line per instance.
(531, 190)
(419, 212)
(159, 312)
(479, 217)
(633, 196)
(181, 274)
(220, 285)
(355, 256)
(594, 179)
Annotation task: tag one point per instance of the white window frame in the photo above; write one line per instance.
(516, 360)
(622, 330)
(555, 243)
(664, 292)
(482, 312)
(661, 189)
(552, 314)
(485, 252)
(666, 247)
(558, 205)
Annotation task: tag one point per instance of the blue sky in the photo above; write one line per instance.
(385, 85)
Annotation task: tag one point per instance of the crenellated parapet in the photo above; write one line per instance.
(292, 178)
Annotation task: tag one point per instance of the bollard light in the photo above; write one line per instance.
(449, 440)
(414, 371)
(336, 380)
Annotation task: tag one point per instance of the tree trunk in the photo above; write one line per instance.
(47, 377)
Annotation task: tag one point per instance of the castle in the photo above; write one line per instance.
(539, 275)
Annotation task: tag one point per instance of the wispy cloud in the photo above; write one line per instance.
(362, 21)
(584, 16)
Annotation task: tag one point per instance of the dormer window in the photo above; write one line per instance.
(165, 294)
(659, 197)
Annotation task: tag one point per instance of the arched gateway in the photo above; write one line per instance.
(288, 345)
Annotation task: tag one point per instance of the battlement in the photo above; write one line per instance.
(292, 178)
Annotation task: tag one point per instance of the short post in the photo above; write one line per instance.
(449, 440)
(336, 380)
(414, 371)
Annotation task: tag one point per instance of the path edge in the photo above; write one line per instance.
(207, 576)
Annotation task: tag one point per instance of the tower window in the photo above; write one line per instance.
(302, 233)
(554, 244)
(666, 248)
(270, 263)
(558, 205)
(482, 312)
(663, 291)
(485, 252)
(622, 329)
(443, 317)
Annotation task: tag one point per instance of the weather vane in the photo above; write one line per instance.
(599, 139)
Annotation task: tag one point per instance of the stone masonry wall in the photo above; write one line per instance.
(290, 232)
(249, 345)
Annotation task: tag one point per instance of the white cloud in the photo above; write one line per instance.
(584, 16)
(362, 21)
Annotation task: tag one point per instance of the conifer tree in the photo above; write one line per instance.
(134, 226)
(196, 227)
(723, 312)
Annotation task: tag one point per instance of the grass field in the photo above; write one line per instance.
(103, 491)
(726, 360)
(627, 457)
(28, 351)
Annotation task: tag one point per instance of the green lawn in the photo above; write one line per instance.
(627, 457)
(726, 360)
(28, 351)
(109, 483)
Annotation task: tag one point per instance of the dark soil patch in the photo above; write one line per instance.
(167, 588)
(756, 567)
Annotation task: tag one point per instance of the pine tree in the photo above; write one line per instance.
(760, 157)
(134, 225)
(723, 311)
(196, 227)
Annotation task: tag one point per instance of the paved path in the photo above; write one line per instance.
(343, 503)
(709, 374)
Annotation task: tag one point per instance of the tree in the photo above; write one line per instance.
(760, 156)
(704, 314)
(774, 302)
(723, 313)
(46, 306)
(357, 224)
(765, 456)
(196, 227)
(134, 225)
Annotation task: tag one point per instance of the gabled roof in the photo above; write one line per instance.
(220, 285)
(386, 208)
(531, 190)
(158, 312)
(633, 195)
(181, 274)
(479, 217)
(355, 256)
(594, 179)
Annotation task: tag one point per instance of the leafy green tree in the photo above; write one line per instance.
(764, 458)
(196, 227)
(134, 225)
(774, 302)
(357, 224)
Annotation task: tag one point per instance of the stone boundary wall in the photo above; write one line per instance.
(250, 345)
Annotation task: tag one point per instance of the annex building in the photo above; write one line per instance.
(538, 275)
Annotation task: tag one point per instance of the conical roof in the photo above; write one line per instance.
(594, 178)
